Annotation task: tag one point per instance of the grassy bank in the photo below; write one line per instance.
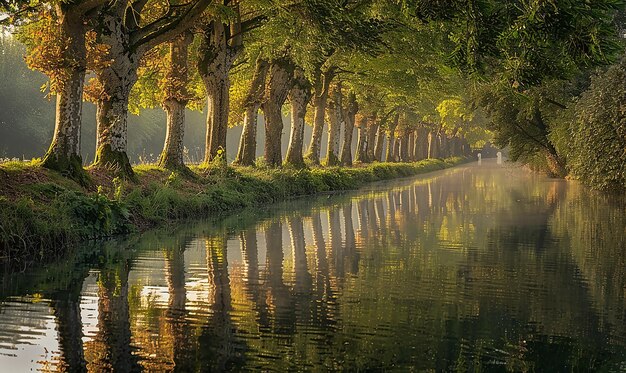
(42, 213)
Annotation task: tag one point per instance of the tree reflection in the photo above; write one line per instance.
(465, 271)
(278, 296)
(252, 285)
(177, 331)
(66, 308)
(110, 349)
(216, 344)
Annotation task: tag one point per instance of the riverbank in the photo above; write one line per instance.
(42, 213)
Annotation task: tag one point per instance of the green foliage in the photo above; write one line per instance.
(598, 153)
(50, 216)
(30, 229)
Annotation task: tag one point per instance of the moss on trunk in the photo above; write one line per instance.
(70, 167)
(113, 161)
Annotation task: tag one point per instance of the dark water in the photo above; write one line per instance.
(484, 268)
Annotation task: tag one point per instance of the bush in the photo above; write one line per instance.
(598, 153)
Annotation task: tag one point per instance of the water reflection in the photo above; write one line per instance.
(466, 269)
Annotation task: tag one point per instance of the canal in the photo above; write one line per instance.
(479, 267)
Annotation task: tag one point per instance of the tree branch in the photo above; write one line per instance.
(555, 103)
(150, 36)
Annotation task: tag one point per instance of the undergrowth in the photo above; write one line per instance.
(43, 217)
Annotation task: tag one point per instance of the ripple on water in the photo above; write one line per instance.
(473, 268)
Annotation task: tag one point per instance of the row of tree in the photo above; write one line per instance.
(405, 74)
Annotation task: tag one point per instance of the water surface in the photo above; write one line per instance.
(474, 268)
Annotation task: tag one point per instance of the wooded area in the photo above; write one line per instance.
(409, 79)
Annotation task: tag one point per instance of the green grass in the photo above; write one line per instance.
(42, 213)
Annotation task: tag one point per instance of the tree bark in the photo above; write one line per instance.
(334, 126)
(372, 130)
(112, 129)
(421, 144)
(63, 155)
(64, 152)
(467, 149)
(322, 86)
(411, 146)
(215, 59)
(127, 42)
(174, 104)
(299, 96)
(391, 138)
(404, 146)
(433, 146)
(380, 143)
(247, 145)
(444, 146)
(117, 80)
(278, 86)
(361, 147)
(396, 151)
(349, 114)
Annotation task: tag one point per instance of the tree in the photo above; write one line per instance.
(247, 146)
(349, 113)
(280, 81)
(128, 30)
(335, 118)
(56, 41)
(323, 79)
(299, 97)
(222, 43)
(175, 101)
(598, 131)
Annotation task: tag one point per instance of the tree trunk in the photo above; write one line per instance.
(380, 143)
(457, 147)
(396, 150)
(404, 146)
(391, 143)
(247, 145)
(217, 115)
(320, 98)
(372, 130)
(349, 117)
(117, 80)
(215, 60)
(334, 126)
(278, 86)
(433, 145)
(361, 147)
(63, 155)
(555, 164)
(410, 147)
(391, 138)
(172, 155)
(299, 96)
(121, 30)
(421, 144)
(64, 152)
(444, 146)
(174, 104)
(112, 141)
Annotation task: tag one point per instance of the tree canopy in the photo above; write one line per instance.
(466, 70)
